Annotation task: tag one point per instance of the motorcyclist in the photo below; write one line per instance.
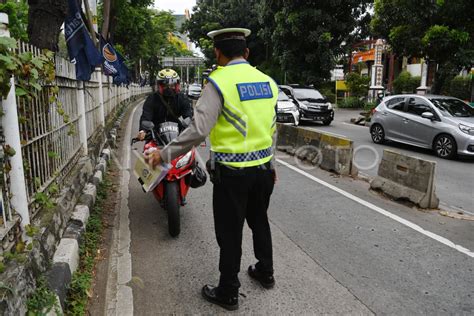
(167, 103)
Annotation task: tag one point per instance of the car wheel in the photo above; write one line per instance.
(378, 134)
(445, 146)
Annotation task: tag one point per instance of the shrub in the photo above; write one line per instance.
(358, 85)
(351, 103)
(406, 83)
(460, 87)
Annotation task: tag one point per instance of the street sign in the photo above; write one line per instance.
(182, 61)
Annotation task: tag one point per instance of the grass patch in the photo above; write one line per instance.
(81, 284)
(43, 300)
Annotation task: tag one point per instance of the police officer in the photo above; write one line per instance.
(238, 110)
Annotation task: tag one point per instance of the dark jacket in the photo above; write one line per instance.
(154, 110)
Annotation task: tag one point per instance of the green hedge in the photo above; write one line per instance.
(351, 103)
(460, 87)
(406, 83)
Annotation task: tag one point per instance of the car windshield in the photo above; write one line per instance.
(282, 96)
(454, 107)
(308, 94)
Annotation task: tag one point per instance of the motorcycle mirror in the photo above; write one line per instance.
(148, 125)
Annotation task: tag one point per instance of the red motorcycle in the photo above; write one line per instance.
(171, 191)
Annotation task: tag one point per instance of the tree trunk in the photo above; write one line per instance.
(106, 18)
(45, 18)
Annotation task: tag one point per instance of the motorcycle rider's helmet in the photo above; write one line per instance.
(168, 78)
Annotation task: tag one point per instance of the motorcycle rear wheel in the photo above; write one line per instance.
(172, 208)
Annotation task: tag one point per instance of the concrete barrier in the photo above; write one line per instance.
(406, 177)
(329, 152)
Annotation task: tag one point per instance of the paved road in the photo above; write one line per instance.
(454, 178)
(339, 249)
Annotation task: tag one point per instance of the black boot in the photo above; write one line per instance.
(267, 281)
(211, 294)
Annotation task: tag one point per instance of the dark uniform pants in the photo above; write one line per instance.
(239, 195)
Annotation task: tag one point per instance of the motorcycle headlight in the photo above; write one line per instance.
(184, 160)
(466, 129)
(329, 105)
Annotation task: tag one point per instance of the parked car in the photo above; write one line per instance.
(287, 111)
(194, 91)
(444, 124)
(312, 104)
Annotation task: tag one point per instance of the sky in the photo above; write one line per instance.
(178, 6)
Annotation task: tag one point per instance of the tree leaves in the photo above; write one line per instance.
(437, 31)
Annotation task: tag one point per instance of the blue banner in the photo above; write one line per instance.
(114, 64)
(81, 49)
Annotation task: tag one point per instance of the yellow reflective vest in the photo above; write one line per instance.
(242, 136)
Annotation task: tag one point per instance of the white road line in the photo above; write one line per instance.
(377, 209)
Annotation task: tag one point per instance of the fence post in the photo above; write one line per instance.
(101, 99)
(81, 107)
(19, 200)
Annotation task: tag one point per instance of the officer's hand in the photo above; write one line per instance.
(141, 135)
(154, 158)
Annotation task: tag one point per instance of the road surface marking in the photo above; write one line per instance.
(377, 209)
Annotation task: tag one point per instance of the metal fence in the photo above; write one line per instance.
(50, 133)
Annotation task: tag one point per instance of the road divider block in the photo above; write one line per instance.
(405, 177)
(329, 152)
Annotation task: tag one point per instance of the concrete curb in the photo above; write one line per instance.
(407, 177)
(328, 152)
(66, 257)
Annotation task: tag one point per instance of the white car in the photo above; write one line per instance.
(287, 111)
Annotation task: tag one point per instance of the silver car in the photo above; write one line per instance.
(444, 124)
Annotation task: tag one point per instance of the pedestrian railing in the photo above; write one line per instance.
(50, 145)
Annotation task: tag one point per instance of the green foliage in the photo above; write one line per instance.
(211, 15)
(29, 71)
(306, 37)
(9, 256)
(17, 17)
(358, 85)
(406, 83)
(2, 267)
(351, 103)
(31, 231)
(43, 300)
(142, 33)
(44, 200)
(440, 30)
(460, 87)
(80, 287)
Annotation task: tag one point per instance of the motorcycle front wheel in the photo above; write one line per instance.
(172, 208)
